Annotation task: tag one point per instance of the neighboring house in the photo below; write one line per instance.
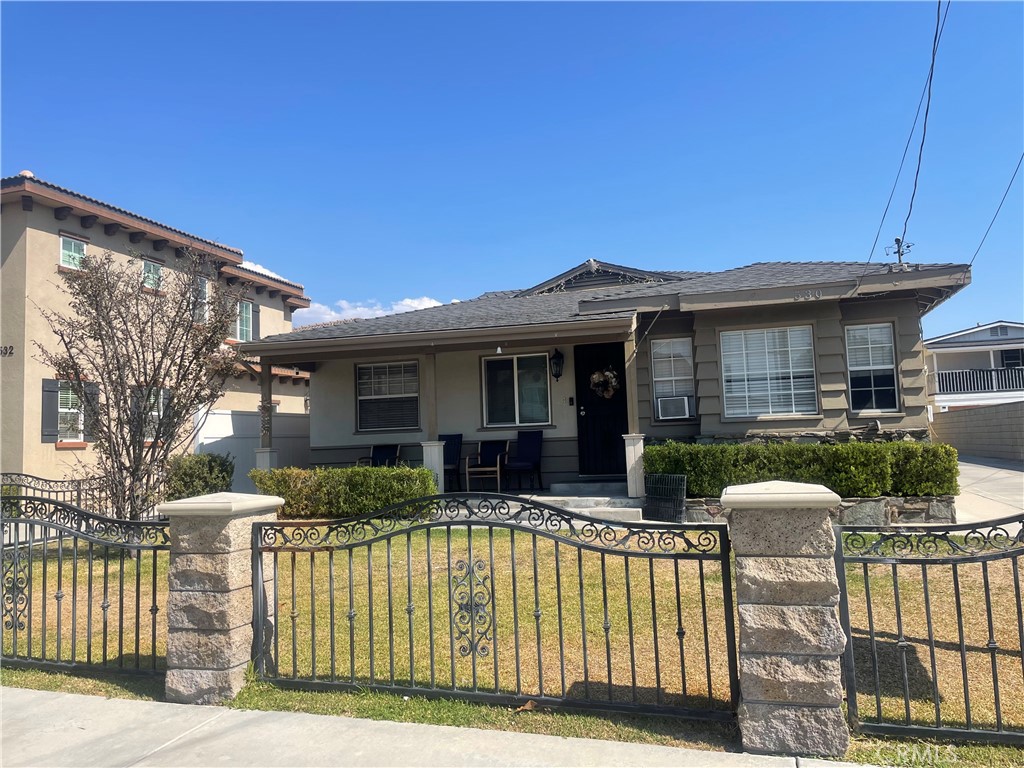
(805, 350)
(46, 230)
(983, 365)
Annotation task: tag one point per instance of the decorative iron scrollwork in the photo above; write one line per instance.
(14, 576)
(947, 542)
(471, 600)
(496, 510)
(86, 525)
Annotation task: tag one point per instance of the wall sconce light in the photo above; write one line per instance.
(498, 350)
(557, 365)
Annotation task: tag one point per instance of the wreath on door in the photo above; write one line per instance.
(605, 383)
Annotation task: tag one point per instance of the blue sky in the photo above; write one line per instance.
(390, 153)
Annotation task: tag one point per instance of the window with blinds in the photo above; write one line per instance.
(388, 396)
(769, 372)
(70, 421)
(672, 378)
(871, 359)
(243, 325)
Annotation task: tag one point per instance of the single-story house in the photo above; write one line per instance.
(602, 356)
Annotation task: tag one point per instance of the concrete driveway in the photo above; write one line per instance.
(989, 489)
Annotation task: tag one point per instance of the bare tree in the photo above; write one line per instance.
(145, 359)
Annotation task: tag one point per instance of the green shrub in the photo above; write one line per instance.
(198, 473)
(325, 492)
(849, 469)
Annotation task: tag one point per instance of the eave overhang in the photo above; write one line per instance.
(439, 341)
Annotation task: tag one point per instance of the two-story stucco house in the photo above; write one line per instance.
(603, 356)
(47, 229)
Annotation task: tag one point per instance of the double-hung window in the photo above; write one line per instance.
(72, 252)
(672, 374)
(388, 396)
(871, 358)
(769, 372)
(243, 325)
(154, 411)
(70, 417)
(516, 390)
(152, 276)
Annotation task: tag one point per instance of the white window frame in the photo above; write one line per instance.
(72, 261)
(403, 395)
(751, 342)
(64, 388)
(851, 369)
(515, 388)
(152, 275)
(238, 323)
(692, 378)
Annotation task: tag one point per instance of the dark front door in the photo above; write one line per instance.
(601, 419)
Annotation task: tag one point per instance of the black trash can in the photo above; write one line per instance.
(665, 498)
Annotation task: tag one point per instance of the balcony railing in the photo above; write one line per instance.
(980, 380)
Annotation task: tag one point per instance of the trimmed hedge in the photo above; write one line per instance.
(850, 469)
(198, 473)
(326, 492)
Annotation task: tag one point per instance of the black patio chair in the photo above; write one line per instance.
(452, 459)
(527, 460)
(381, 456)
(490, 456)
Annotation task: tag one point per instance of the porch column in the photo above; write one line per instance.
(266, 455)
(430, 397)
(210, 598)
(632, 407)
(791, 639)
(433, 459)
(634, 465)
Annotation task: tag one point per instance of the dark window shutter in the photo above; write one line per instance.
(51, 407)
(90, 410)
(255, 321)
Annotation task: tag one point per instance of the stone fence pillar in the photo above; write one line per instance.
(433, 459)
(787, 597)
(634, 465)
(210, 600)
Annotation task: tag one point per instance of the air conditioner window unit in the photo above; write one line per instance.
(673, 407)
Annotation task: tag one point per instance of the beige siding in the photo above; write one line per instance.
(31, 255)
(655, 327)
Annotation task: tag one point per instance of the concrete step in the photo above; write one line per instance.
(588, 489)
(585, 502)
(615, 514)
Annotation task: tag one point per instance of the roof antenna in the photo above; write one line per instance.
(900, 247)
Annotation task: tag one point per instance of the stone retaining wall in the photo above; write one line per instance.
(881, 510)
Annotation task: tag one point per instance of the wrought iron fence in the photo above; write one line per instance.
(81, 589)
(86, 493)
(935, 626)
(495, 598)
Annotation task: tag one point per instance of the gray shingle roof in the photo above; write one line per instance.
(499, 309)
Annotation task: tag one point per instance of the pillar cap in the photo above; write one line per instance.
(779, 494)
(221, 505)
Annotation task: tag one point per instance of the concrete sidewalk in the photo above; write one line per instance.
(989, 489)
(40, 728)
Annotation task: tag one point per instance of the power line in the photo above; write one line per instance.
(927, 108)
(999, 208)
(906, 148)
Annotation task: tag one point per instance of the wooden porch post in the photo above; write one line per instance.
(632, 408)
(430, 394)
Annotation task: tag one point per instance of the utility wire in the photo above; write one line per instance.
(927, 107)
(996, 214)
(906, 148)
(925, 91)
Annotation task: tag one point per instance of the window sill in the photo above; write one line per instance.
(386, 431)
(675, 422)
(63, 270)
(871, 415)
(506, 427)
(70, 445)
(153, 291)
(150, 443)
(779, 417)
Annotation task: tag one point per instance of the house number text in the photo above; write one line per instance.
(807, 295)
(7, 350)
